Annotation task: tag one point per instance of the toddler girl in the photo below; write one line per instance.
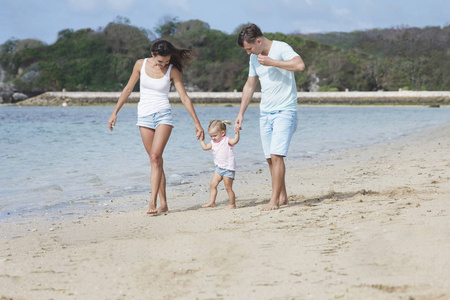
(222, 149)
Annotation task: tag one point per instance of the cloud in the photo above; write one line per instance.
(330, 19)
(295, 2)
(177, 5)
(87, 6)
(121, 5)
(91, 6)
(340, 12)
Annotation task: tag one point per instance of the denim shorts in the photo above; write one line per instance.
(158, 118)
(225, 172)
(276, 131)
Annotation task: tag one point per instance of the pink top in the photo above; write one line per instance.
(223, 154)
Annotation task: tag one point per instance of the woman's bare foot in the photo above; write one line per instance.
(209, 204)
(231, 206)
(151, 209)
(160, 210)
(151, 206)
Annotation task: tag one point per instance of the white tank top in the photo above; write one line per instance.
(154, 93)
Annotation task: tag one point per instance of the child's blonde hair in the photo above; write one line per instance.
(219, 124)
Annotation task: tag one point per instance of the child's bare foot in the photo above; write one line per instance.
(231, 206)
(209, 205)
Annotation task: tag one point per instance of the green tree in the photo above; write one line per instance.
(167, 27)
(389, 59)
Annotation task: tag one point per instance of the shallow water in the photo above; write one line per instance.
(52, 156)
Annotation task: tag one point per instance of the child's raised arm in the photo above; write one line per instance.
(205, 146)
(234, 140)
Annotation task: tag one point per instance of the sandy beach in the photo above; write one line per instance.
(369, 223)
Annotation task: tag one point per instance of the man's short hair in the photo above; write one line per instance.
(249, 34)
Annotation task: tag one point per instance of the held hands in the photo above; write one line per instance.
(199, 132)
(238, 123)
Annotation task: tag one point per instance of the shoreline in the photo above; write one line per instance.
(433, 98)
(363, 223)
(94, 207)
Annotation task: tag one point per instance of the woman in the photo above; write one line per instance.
(154, 111)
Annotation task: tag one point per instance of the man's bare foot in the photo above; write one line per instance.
(270, 206)
(231, 206)
(209, 205)
(283, 202)
(160, 210)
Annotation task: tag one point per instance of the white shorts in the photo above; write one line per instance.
(154, 120)
(276, 131)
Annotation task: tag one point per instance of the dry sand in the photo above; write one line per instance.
(369, 223)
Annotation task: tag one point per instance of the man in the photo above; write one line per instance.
(274, 63)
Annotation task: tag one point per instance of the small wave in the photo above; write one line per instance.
(95, 180)
(51, 187)
(175, 179)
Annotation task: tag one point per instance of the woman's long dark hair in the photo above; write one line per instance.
(179, 57)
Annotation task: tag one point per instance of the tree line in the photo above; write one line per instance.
(102, 60)
(402, 57)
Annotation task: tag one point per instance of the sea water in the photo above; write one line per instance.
(53, 156)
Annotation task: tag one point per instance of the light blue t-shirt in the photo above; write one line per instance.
(278, 88)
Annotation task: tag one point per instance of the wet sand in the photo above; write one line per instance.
(370, 223)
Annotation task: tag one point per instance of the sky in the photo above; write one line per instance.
(43, 19)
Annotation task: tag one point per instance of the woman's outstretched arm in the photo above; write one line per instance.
(178, 83)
